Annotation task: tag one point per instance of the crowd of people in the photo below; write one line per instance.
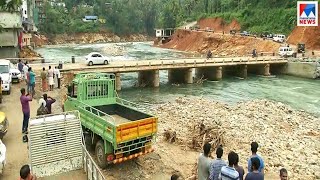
(218, 169)
(52, 77)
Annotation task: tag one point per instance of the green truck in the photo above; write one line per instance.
(117, 129)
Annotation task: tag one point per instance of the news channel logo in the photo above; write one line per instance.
(307, 13)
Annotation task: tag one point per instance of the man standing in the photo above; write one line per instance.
(216, 165)
(25, 71)
(44, 79)
(50, 77)
(239, 168)
(20, 67)
(255, 174)
(49, 101)
(254, 149)
(229, 172)
(32, 81)
(283, 174)
(204, 163)
(24, 99)
(57, 76)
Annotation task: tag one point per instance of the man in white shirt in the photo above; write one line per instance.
(25, 71)
(204, 163)
(229, 172)
(57, 76)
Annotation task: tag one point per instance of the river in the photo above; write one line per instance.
(299, 93)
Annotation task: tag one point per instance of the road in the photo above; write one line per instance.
(17, 151)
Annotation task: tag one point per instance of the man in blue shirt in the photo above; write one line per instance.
(254, 149)
(32, 81)
(216, 165)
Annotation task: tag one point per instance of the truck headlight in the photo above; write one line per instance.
(1, 126)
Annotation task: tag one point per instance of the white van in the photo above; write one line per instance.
(5, 75)
(279, 38)
(285, 51)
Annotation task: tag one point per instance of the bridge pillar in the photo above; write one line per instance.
(243, 71)
(148, 78)
(188, 76)
(265, 70)
(210, 73)
(118, 82)
(217, 73)
(180, 76)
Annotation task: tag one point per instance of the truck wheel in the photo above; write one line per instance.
(90, 63)
(101, 156)
(106, 62)
(9, 92)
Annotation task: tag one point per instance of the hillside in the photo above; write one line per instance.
(141, 17)
(308, 35)
(218, 43)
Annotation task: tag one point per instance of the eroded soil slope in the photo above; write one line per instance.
(219, 44)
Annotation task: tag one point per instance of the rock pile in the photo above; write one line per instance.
(287, 138)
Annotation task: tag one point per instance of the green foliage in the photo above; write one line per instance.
(142, 16)
(10, 6)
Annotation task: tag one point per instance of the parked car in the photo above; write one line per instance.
(5, 75)
(279, 38)
(15, 73)
(285, 51)
(245, 33)
(209, 29)
(233, 31)
(96, 58)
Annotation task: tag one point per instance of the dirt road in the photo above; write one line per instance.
(17, 152)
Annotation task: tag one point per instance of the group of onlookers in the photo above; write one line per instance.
(218, 169)
(51, 77)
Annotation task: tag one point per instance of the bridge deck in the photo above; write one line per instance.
(143, 65)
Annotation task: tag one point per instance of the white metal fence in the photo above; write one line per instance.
(56, 146)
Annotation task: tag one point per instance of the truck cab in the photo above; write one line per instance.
(117, 129)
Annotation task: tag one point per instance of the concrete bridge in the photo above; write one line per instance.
(181, 70)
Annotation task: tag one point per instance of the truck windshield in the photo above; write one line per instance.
(4, 69)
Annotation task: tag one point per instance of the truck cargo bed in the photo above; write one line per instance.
(122, 114)
(119, 120)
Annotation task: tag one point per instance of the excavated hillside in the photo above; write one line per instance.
(308, 35)
(218, 24)
(222, 44)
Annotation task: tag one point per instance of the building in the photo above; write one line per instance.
(26, 39)
(164, 35)
(11, 34)
(24, 10)
(90, 19)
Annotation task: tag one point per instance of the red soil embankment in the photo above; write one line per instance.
(218, 24)
(308, 35)
(226, 44)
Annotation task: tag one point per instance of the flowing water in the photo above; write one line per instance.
(297, 92)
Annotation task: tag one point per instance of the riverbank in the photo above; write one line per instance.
(284, 134)
(87, 38)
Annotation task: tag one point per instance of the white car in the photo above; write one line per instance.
(279, 38)
(5, 75)
(96, 58)
(285, 51)
(16, 75)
